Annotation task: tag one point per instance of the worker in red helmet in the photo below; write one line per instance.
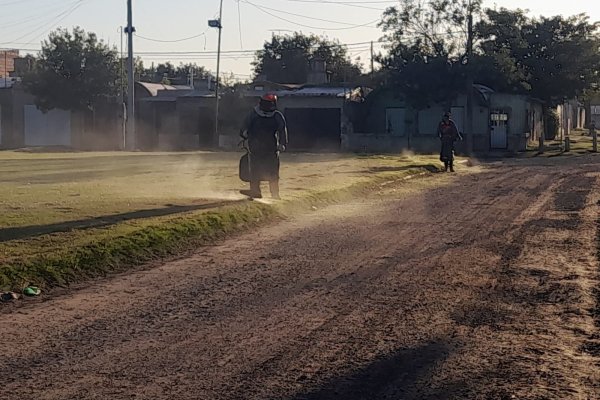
(266, 133)
(448, 134)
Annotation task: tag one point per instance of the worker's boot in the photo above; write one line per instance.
(254, 191)
(274, 186)
(451, 165)
(445, 166)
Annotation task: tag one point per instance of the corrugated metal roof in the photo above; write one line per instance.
(155, 88)
(199, 93)
(316, 91)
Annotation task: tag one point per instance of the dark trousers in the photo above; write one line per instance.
(273, 186)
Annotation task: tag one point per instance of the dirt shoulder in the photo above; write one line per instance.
(65, 218)
(479, 288)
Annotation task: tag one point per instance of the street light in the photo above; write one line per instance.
(216, 23)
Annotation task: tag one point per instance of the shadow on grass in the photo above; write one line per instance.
(394, 377)
(428, 167)
(16, 233)
(375, 170)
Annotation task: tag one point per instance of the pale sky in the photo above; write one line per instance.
(23, 23)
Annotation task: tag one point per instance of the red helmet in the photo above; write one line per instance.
(268, 102)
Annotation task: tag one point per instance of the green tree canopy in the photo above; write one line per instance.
(169, 73)
(427, 48)
(286, 59)
(549, 58)
(74, 69)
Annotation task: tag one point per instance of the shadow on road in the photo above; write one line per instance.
(393, 377)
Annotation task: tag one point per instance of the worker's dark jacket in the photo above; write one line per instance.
(448, 134)
(264, 132)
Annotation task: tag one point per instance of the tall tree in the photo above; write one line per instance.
(427, 48)
(551, 58)
(434, 28)
(183, 71)
(74, 69)
(286, 59)
(168, 73)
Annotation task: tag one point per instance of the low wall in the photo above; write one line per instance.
(429, 144)
(171, 142)
(384, 143)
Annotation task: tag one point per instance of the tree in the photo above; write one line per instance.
(182, 72)
(286, 59)
(549, 58)
(433, 28)
(427, 50)
(73, 70)
(169, 74)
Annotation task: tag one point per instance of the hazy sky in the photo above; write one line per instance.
(23, 23)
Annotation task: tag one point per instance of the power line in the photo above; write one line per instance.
(351, 47)
(54, 20)
(23, 22)
(58, 20)
(266, 11)
(10, 3)
(300, 15)
(42, 13)
(344, 3)
(239, 9)
(171, 41)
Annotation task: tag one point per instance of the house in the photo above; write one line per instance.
(22, 124)
(501, 122)
(7, 62)
(317, 112)
(316, 115)
(172, 117)
(594, 115)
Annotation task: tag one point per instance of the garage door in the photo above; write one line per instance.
(395, 121)
(47, 129)
(314, 129)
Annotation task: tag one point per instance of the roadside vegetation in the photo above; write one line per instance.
(67, 217)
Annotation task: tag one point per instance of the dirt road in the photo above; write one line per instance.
(481, 288)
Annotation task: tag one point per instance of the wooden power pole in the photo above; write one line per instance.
(372, 59)
(470, 136)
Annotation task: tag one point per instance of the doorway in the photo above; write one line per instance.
(499, 130)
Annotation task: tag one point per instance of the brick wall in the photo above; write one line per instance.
(7, 62)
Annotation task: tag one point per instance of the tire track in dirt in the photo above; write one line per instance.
(420, 295)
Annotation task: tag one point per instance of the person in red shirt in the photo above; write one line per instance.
(448, 134)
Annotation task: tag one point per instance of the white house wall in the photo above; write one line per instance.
(47, 129)
(429, 120)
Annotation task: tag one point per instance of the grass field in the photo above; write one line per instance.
(581, 144)
(62, 212)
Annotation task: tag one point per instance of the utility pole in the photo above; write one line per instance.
(130, 137)
(123, 104)
(192, 77)
(219, 25)
(594, 136)
(469, 125)
(372, 59)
